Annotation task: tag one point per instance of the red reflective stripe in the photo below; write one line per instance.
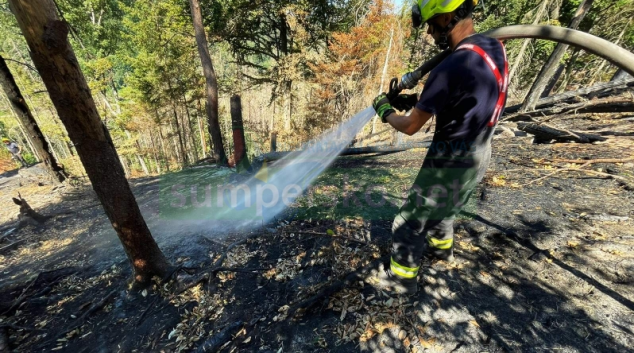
(503, 82)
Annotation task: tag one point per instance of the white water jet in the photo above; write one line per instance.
(216, 210)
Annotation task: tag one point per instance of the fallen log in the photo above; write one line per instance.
(609, 105)
(547, 133)
(271, 156)
(597, 91)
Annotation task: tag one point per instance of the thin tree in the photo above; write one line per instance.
(520, 56)
(211, 83)
(33, 132)
(549, 70)
(47, 38)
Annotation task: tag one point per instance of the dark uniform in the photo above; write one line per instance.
(467, 97)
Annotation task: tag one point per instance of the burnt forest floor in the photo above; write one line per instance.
(547, 266)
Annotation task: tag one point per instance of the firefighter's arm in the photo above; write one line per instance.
(409, 124)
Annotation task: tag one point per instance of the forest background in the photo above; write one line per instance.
(301, 67)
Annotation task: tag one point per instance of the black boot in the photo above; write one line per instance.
(384, 279)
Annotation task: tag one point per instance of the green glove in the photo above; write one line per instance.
(382, 106)
(404, 102)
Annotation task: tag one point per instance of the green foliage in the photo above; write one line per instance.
(308, 63)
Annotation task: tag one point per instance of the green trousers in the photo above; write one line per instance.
(441, 189)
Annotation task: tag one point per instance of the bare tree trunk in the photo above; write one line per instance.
(597, 74)
(155, 154)
(124, 164)
(146, 171)
(212, 83)
(549, 69)
(553, 81)
(201, 130)
(190, 130)
(387, 61)
(183, 152)
(520, 55)
(165, 154)
(34, 135)
(239, 143)
(47, 37)
(23, 132)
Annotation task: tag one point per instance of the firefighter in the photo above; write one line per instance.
(16, 151)
(466, 93)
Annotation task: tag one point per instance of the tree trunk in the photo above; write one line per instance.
(553, 81)
(183, 152)
(47, 37)
(166, 155)
(383, 74)
(201, 130)
(518, 59)
(190, 130)
(288, 104)
(211, 84)
(23, 132)
(239, 144)
(549, 69)
(35, 136)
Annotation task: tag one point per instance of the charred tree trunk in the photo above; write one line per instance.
(33, 132)
(549, 69)
(211, 86)
(47, 38)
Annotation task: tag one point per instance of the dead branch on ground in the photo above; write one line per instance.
(593, 161)
(626, 181)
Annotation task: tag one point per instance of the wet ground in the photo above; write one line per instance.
(547, 266)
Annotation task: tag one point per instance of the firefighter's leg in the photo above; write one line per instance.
(400, 274)
(439, 237)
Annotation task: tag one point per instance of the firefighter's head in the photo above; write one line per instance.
(441, 16)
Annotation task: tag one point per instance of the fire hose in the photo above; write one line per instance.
(595, 45)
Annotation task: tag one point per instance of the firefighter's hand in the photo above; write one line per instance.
(404, 102)
(382, 106)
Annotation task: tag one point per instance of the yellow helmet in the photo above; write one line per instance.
(5, 140)
(424, 10)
